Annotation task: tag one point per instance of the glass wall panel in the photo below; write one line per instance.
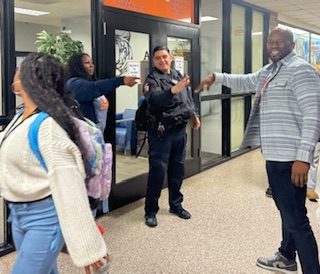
(237, 122)
(211, 132)
(302, 40)
(237, 67)
(237, 40)
(315, 51)
(132, 56)
(257, 41)
(71, 17)
(211, 61)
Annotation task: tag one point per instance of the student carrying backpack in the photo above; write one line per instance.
(96, 155)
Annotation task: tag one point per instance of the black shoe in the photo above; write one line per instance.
(182, 213)
(151, 221)
(269, 192)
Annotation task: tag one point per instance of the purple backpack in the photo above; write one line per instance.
(96, 155)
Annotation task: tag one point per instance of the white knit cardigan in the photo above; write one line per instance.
(23, 179)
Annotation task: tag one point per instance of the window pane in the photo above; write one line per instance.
(211, 42)
(301, 38)
(211, 61)
(237, 67)
(237, 39)
(315, 51)
(237, 122)
(211, 131)
(71, 17)
(257, 41)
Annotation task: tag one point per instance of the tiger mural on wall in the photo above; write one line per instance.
(123, 51)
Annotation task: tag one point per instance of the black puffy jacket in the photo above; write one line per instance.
(171, 110)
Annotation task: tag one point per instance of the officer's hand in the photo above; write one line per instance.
(299, 173)
(208, 81)
(130, 81)
(178, 87)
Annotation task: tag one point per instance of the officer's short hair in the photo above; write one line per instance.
(157, 48)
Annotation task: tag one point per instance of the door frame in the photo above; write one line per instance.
(158, 29)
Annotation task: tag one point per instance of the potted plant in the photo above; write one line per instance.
(61, 46)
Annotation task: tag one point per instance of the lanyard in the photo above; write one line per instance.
(270, 76)
(14, 125)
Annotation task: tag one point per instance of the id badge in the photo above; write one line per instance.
(174, 81)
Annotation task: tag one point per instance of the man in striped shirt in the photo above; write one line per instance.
(285, 121)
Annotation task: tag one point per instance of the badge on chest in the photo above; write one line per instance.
(174, 81)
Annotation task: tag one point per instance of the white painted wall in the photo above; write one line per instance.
(26, 35)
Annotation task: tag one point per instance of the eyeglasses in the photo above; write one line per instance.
(277, 42)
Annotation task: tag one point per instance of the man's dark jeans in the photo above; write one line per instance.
(297, 234)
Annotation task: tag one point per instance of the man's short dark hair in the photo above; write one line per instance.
(157, 48)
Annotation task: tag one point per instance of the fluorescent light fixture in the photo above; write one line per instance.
(30, 12)
(203, 19)
(208, 18)
(257, 33)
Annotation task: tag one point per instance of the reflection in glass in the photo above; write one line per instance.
(132, 56)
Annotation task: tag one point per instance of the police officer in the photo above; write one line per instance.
(171, 104)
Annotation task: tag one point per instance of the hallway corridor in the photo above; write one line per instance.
(233, 223)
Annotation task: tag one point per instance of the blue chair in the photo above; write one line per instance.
(126, 133)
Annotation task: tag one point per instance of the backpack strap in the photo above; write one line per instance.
(33, 137)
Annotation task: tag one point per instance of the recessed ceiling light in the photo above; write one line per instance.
(257, 33)
(30, 12)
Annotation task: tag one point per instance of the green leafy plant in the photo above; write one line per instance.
(61, 46)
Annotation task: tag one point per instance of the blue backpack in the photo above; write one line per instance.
(96, 155)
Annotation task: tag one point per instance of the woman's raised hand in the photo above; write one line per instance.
(130, 81)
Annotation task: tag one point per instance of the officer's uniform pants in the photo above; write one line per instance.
(167, 155)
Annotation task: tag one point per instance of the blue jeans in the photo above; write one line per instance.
(37, 237)
(297, 234)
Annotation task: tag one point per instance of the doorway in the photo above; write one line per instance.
(128, 41)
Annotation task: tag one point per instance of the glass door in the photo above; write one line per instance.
(128, 43)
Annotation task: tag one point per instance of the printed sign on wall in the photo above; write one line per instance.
(171, 9)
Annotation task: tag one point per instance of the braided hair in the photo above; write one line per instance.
(75, 67)
(43, 78)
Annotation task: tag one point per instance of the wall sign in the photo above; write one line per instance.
(171, 9)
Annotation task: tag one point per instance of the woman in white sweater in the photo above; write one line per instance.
(47, 207)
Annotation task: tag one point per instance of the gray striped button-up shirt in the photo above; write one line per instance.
(285, 118)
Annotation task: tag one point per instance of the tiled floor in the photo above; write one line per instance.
(232, 224)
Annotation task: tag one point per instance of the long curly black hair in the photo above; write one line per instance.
(43, 78)
(75, 67)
